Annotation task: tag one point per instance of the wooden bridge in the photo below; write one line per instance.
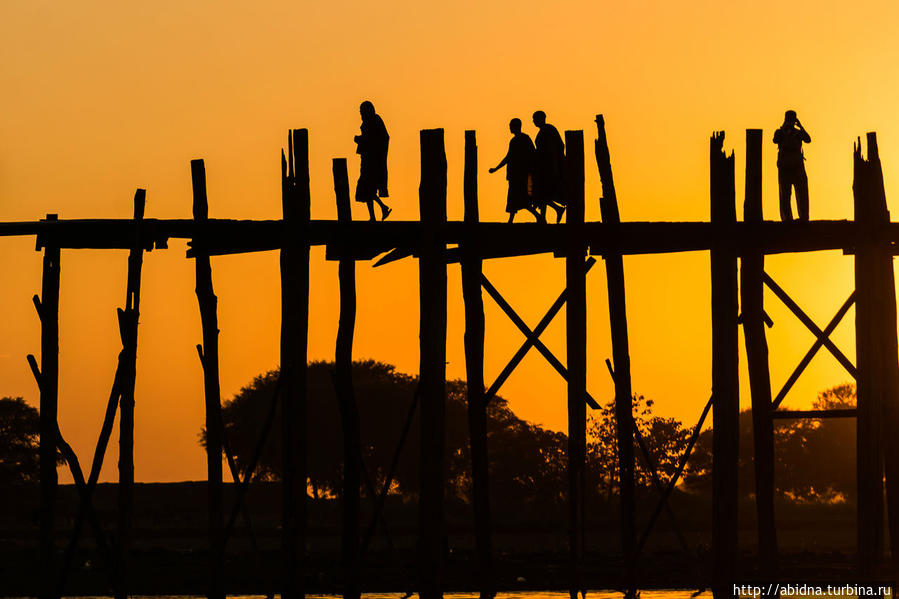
(870, 237)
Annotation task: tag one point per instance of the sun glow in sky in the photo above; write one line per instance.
(100, 98)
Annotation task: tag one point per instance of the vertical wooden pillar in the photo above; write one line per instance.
(432, 381)
(870, 361)
(343, 382)
(471, 264)
(608, 204)
(576, 317)
(210, 359)
(128, 323)
(49, 390)
(888, 343)
(725, 358)
(294, 340)
(752, 266)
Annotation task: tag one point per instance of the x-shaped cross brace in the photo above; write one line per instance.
(822, 338)
(532, 337)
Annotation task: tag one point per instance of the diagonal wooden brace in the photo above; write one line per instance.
(809, 323)
(819, 342)
(528, 344)
(674, 479)
(530, 335)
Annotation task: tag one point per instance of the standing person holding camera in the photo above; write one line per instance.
(791, 166)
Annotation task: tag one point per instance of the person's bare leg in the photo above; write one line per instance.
(385, 209)
(371, 209)
(511, 216)
(560, 210)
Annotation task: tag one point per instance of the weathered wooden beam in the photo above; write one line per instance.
(128, 324)
(797, 414)
(725, 377)
(368, 239)
(576, 323)
(208, 304)
(346, 399)
(49, 389)
(432, 373)
(752, 265)
(294, 345)
(471, 267)
(608, 204)
(888, 346)
(870, 392)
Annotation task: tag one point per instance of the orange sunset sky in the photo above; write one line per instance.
(99, 98)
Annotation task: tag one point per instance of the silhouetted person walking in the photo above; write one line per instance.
(519, 161)
(791, 166)
(371, 145)
(549, 174)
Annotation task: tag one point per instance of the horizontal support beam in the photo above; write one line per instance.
(494, 240)
(795, 414)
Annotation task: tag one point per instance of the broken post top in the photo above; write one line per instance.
(432, 189)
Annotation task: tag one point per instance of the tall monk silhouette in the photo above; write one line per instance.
(549, 165)
(371, 145)
(519, 161)
(791, 166)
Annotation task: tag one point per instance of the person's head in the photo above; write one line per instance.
(367, 109)
(515, 126)
(790, 117)
(539, 118)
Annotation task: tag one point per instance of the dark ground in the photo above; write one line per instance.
(170, 551)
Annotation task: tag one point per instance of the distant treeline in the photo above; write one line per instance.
(815, 459)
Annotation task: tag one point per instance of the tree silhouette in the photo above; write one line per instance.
(528, 464)
(665, 439)
(19, 434)
(814, 459)
(523, 456)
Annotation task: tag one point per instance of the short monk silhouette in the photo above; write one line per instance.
(371, 145)
(791, 166)
(519, 161)
(549, 165)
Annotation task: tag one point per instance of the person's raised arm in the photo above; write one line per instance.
(504, 162)
(805, 136)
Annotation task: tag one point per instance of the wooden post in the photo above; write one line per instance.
(752, 265)
(432, 381)
(725, 358)
(210, 360)
(869, 359)
(343, 383)
(128, 323)
(49, 390)
(294, 343)
(889, 344)
(576, 320)
(471, 265)
(608, 204)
